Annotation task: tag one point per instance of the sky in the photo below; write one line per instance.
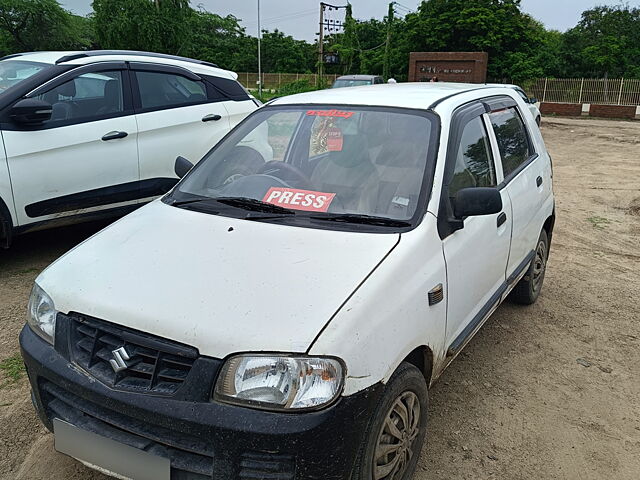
(300, 18)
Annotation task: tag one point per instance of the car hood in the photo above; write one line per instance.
(220, 284)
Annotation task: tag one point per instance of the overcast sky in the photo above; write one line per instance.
(299, 18)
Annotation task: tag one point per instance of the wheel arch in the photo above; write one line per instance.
(6, 225)
(422, 358)
(549, 224)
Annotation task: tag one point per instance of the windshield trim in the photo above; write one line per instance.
(302, 220)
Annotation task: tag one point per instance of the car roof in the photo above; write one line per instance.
(93, 56)
(420, 95)
(357, 77)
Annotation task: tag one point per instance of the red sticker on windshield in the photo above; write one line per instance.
(334, 140)
(299, 199)
(329, 113)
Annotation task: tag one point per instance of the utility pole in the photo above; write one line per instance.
(332, 25)
(321, 42)
(259, 55)
(385, 67)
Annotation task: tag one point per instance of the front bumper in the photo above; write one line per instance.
(203, 440)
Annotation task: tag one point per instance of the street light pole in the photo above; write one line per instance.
(259, 55)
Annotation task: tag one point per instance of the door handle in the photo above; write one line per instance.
(501, 218)
(539, 181)
(114, 135)
(211, 117)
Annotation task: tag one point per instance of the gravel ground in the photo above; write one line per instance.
(549, 391)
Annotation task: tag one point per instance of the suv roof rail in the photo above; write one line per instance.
(13, 55)
(97, 53)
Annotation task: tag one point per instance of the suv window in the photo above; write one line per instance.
(87, 96)
(166, 90)
(474, 163)
(513, 141)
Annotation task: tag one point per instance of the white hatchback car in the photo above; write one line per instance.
(287, 322)
(91, 134)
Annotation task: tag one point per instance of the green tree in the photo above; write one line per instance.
(498, 27)
(161, 26)
(606, 41)
(28, 25)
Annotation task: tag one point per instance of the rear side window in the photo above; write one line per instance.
(474, 163)
(165, 90)
(513, 141)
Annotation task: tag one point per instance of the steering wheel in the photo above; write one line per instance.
(274, 166)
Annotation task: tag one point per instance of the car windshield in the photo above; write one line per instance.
(13, 72)
(333, 163)
(351, 83)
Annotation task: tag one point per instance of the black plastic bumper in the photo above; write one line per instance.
(202, 439)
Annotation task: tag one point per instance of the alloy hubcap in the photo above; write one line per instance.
(394, 447)
(539, 264)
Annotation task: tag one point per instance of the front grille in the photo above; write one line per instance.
(190, 457)
(258, 466)
(147, 364)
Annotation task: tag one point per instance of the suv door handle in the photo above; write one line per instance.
(539, 181)
(501, 219)
(114, 135)
(212, 116)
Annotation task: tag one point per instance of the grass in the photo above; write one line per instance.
(12, 369)
(598, 222)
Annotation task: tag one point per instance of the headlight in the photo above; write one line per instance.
(275, 382)
(41, 314)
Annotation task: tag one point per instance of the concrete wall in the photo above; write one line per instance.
(601, 111)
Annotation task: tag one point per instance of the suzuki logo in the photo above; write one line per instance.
(118, 362)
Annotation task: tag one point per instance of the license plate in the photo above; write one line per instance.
(108, 455)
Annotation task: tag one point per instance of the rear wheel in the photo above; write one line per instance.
(528, 288)
(397, 430)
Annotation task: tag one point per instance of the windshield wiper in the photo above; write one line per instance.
(245, 203)
(362, 219)
(254, 205)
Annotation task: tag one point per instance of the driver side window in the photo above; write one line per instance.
(85, 98)
(474, 163)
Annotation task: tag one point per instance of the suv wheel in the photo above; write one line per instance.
(528, 288)
(397, 430)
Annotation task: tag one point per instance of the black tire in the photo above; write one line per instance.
(538, 120)
(406, 384)
(528, 288)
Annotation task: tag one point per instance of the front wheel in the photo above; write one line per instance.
(397, 430)
(528, 288)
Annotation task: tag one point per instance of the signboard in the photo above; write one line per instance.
(465, 67)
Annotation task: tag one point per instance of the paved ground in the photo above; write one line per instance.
(550, 391)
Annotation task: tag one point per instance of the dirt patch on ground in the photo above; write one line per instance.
(550, 391)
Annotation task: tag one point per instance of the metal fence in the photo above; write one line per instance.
(605, 91)
(273, 81)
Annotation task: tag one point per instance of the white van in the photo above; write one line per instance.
(287, 322)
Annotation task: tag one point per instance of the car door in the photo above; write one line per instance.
(85, 157)
(524, 179)
(177, 114)
(476, 251)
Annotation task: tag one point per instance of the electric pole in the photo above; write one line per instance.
(259, 55)
(385, 67)
(321, 42)
(331, 25)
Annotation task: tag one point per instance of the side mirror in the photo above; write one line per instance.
(533, 100)
(182, 166)
(470, 202)
(31, 111)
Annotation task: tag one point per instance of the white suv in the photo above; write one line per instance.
(96, 133)
(287, 322)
